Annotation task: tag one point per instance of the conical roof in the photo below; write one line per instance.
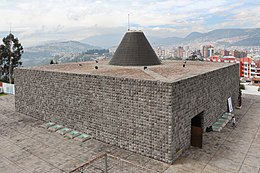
(134, 50)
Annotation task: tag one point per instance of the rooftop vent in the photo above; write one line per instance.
(134, 50)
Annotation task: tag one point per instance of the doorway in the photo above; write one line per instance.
(197, 130)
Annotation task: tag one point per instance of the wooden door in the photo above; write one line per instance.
(196, 136)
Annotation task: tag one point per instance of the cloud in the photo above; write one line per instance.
(67, 19)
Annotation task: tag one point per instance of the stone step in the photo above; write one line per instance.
(224, 120)
(228, 115)
(64, 131)
(55, 128)
(72, 134)
(83, 137)
(222, 124)
(47, 125)
(216, 128)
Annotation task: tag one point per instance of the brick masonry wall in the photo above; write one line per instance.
(148, 117)
(129, 113)
(207, 93)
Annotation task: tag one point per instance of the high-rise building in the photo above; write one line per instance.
(225, 52)
(247, 68)
(238, 54)
(179, 52)
(207, 51)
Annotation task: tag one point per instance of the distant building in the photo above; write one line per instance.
(256, 78)
(247, 68)
(238, 54)
(208, 51)
(180, 52)
(225, 52)
(257, 68)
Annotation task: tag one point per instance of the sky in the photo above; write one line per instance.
(36, 22)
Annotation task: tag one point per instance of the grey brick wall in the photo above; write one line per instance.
(129, 113)
(207, 93)
(149, 117)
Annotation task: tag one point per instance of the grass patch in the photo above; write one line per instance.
(3, 94)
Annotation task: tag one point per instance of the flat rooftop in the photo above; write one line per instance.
(168, 71)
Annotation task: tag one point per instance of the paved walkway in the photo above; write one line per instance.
(251, 89)
(25, 147)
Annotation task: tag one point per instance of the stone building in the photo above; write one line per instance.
(137, 103)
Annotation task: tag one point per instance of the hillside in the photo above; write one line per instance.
(39, 54)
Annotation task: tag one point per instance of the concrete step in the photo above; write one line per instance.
(47, 125)
(227, 115)
(55, 128)
(222, 124)
(216, 128)
(224, 120)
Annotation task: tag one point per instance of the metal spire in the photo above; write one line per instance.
(128, 22)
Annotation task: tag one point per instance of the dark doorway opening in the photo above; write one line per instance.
(197, 130)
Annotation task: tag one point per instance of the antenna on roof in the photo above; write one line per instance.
(128, 22)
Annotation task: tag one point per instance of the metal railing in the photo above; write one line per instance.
(107, 163)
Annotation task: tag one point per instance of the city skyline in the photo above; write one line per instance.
(35, 22)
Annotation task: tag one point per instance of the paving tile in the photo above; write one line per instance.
(46, 152)
(241, 146)
(157, 165)
(86, 156)
(225, 164)
(252, 161)
(249, 169)
(213, 169)
(34, 164)
(56, 170)
(197, 154)
(254, 151)
(189, 165)
(138, 159)
(231, 154)
(70, 165)
(10, 168)
(15, 155)
(3, 161)
(173, 169)
(59, 159)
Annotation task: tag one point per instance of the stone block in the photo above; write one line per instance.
(63, 131)
(72, 134)
(55, 128)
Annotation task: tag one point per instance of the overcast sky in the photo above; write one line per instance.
(38, 21)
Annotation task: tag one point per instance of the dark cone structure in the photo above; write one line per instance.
(134, 50)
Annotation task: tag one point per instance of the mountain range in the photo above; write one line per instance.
(220, 38)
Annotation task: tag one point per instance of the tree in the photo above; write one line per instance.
(10, 55)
